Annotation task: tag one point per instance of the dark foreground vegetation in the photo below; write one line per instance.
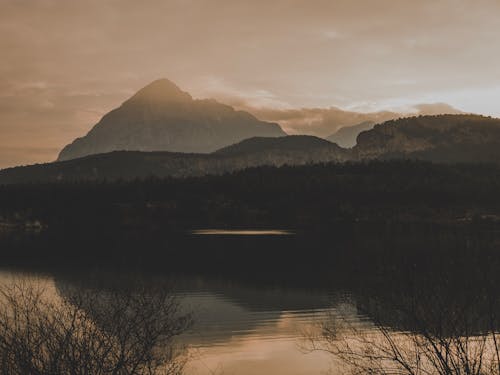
(89, 331)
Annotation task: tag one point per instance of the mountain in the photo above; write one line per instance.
(346, 137)
(443, 138)
(161, 117)
(127, 165)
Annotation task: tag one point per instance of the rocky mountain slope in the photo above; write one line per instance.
(161, 117)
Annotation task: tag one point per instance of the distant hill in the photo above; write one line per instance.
(443, 138)
(293, 143)
(161, 117)
(346, 137)
(290, 150)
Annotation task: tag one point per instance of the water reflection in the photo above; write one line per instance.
(240, 334)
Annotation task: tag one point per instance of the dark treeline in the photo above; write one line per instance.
(303, 197)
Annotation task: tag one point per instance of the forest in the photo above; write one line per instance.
(310, 197)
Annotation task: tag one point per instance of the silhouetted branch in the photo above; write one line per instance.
(90, 331)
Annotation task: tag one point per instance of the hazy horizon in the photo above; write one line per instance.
(65, 64)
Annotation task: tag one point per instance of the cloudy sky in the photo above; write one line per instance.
(65, 63)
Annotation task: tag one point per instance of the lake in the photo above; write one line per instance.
(256, 297)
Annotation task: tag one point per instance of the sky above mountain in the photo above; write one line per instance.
(66, 63)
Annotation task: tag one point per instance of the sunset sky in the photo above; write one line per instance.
(66, 63)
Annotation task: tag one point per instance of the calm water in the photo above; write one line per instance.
(241, 330)
(256, 295)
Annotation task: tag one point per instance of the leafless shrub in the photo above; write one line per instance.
(89, 331)
(441, 337)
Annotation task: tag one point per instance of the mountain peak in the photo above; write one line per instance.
(162, 90)
(162, 117)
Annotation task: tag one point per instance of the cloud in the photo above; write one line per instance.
(436, 109)
(320, 122)
(323, 122)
